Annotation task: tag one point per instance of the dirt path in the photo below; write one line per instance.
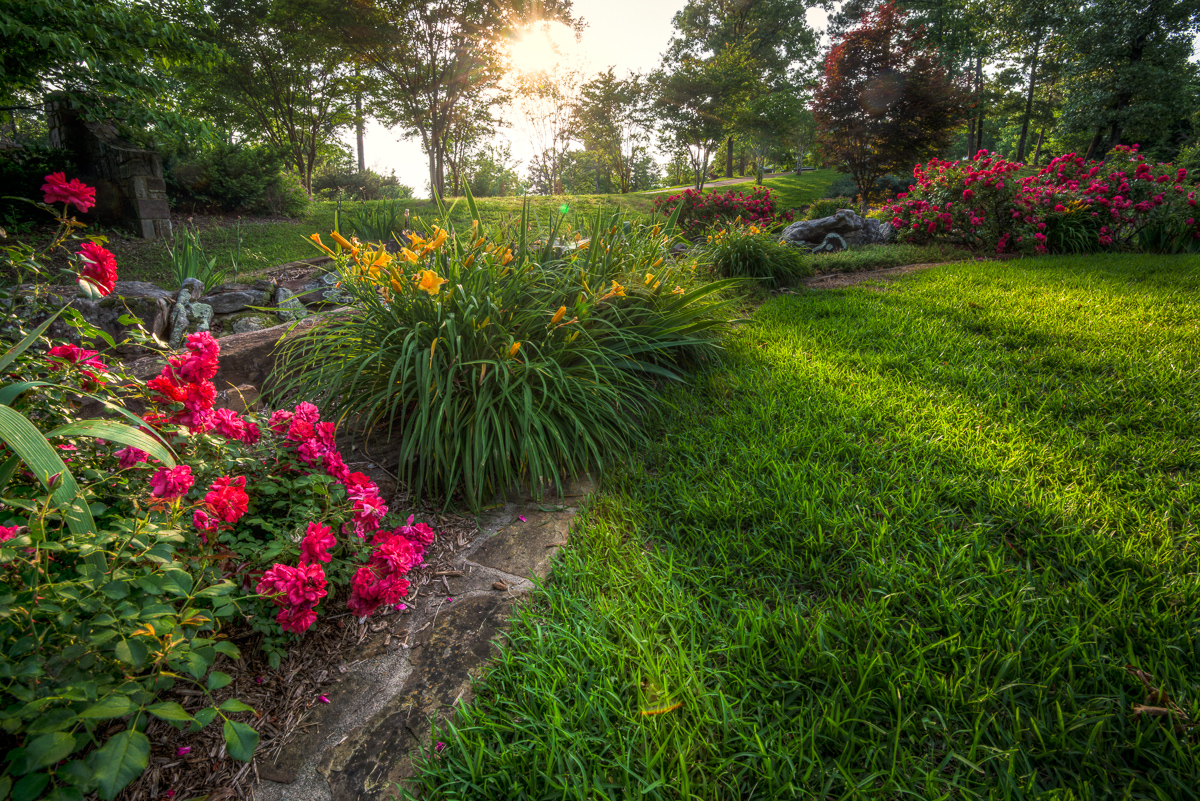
(840, 280)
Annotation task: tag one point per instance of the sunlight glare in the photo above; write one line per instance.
(542, 48)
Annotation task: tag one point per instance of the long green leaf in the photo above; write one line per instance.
(117, 432)
(29, 443)
(19, 348)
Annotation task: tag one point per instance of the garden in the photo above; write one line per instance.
(601, 472)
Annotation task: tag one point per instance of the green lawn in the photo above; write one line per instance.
(902, 546)
(790, 191)
(267, 243)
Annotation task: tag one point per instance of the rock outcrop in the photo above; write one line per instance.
(851, 227)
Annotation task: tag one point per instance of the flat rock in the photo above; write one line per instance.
(851, 227)
(368, 764)
(230, 302)
(525, 547)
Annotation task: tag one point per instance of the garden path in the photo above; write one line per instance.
(416, 668)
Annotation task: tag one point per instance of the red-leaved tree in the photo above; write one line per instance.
(885, 102)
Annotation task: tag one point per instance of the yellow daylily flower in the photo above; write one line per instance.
(558, 315)
(754, 229)
(507, 257)
(649, 278)
(429, 281)
(408, 254)
(384, 259)
(678, 290)
(414, 239)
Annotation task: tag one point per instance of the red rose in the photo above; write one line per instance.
(99, 273)
(58, 190)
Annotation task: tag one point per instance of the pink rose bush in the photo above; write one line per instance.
(1068, 206)
(702, 211)
(58, 189)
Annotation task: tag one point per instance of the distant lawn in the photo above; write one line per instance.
(902, 546)
(791, 191)
(267, 243)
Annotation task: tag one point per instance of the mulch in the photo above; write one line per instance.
(284, 698)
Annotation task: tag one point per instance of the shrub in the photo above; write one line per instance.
(126, 547)
(236, 177)
(746, 251)
(333, 181)
(1069, 206)
(495, 361)
(699, 212)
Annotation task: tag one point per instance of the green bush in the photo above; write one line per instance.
(747, 252)
(504, 361)
(235, 177)
(332, 181)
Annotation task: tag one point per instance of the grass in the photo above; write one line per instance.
(790, 191)
(902, 546)
(881, 257)
(267, 243)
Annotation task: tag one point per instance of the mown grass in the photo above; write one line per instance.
(267, 243)
(881, 257)
(902, 546)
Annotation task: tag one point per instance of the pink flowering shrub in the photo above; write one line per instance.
(1068, 206)
(702, 211)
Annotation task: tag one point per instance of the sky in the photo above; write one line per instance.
(627, 34)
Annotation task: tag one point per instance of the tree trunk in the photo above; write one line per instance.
(742, 170)
(800, 158)
(729, 157)
(1095, 143)
(979, 95)
(358, 126)
(1028, 104)
(971, 149)
(1038, 150)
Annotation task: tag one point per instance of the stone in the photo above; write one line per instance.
(179, 316)
(244, 324)
(833, 243)
(851, 227)
(241, 399)
(194, 285)
(524, 547)
(229, 302)
(288, 306)
(202, 314)
(146, 302)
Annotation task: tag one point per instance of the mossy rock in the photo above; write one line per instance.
(241, 322)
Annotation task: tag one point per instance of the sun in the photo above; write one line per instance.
(542, 47)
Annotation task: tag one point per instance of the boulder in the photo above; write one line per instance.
(832, 243)
(230, 302)
(139, 299)
(852, 228)
(288, 306)
(245, 323)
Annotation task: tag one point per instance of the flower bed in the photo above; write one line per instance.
(1070, 206)
(699, 211)
(130, 547)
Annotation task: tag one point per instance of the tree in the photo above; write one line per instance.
(282, 77)
(769, 123)
(439, 60)
(612, 119)
(885, 101)
(695, 105)
(547, 93)
(1128, 74)
(112, 58)
(772, 36)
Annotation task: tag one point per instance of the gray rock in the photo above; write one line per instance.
(229, 302)
(253, 322)
(140, 289)
(202, 314)
(833, 243)
(179, 316)
(288, 306)
(194, 286)
(851, 228)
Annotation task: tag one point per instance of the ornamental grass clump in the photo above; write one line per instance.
(495, 360)
(747, 251)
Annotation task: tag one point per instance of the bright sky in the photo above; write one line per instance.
(627, 34)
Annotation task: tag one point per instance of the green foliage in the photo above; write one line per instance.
(377, 222)
(746, 252)
(22, 172)
(881, 257)
(234, 177)
(333, 182)
(893, 551)
(533, 359)
(110, 57)
(190, 261)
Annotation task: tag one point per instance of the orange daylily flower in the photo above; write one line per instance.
(429, 281)
(408, 254)
(341, 240)
(558, 315)
(513, 350)
(317, 238)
